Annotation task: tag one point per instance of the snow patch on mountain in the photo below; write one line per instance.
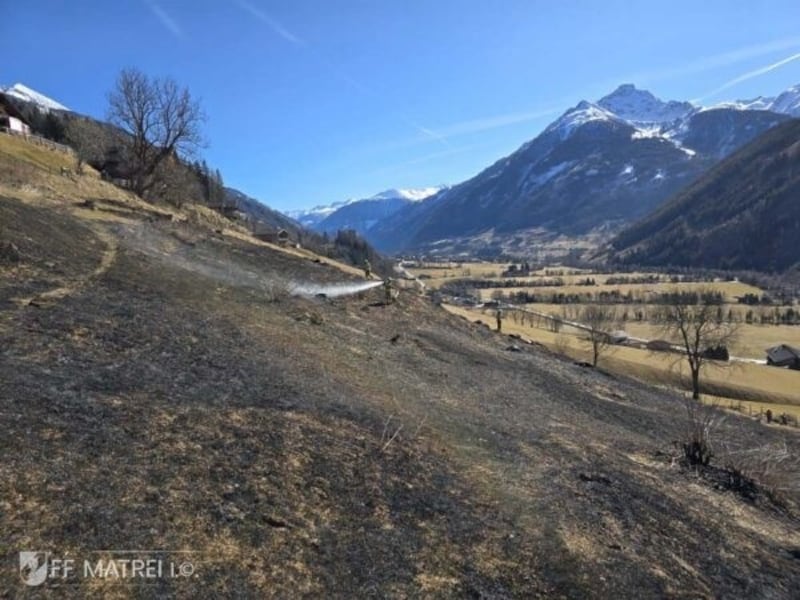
(585, 112)
(787, 103)
(412, 194)
(542, 178)
(759, 103)
(312, 216)
(321, 211)
(530, 181)
(647, 132)
(26, 94)
(640, 106)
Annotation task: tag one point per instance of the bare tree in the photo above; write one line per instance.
(161, 119)
(693, 319)
(598, 320)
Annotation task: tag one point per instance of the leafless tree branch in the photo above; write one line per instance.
(161, 119)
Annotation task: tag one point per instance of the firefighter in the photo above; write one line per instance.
(367, 269)
(388, 291)
(499, 316)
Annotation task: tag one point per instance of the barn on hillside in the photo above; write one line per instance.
(11, 120)
(273, 236)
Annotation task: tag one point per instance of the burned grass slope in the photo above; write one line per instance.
(336, 447)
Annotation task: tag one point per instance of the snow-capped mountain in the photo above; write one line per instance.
(742, 214)
(360, 213)
(412, 194)
(599, 164)
(787, 103)
(585, 112)
(640, 106)
(26, 94)
(309, 217)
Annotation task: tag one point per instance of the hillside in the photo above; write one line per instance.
(261, 213)
(743, 214)
(161, 389)
(185, 183)
(597, 167)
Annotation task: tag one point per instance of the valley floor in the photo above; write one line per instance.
(172, 396)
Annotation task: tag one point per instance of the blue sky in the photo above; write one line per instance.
(315, 101)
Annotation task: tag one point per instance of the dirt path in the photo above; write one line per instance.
(60, 292)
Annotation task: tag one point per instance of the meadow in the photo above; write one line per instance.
(746, 386)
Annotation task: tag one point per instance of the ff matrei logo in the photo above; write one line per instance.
(33, 567)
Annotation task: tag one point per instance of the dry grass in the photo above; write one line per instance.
(435, 277)
(751, 341)
(753, 409)
(750, 382)
(730, 289)
(168, 403)
(32, 173)
(19, 149)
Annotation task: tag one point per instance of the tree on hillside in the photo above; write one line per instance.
(599, 319)
(177, 183)
(84, 141)
(213, 187)
(699, 329)
(350, 247)
(162, 121)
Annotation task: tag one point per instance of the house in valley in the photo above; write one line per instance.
(784, 355)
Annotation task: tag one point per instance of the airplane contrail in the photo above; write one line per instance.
(751, 74)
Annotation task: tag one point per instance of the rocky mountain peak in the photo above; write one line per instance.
(641, 106)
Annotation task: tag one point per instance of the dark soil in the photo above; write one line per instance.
(180, 400)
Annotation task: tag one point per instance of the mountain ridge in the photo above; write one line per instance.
(590, 168)
(742, 214)
(328, 218)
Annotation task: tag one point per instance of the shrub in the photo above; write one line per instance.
(770, 467)
(701, 422)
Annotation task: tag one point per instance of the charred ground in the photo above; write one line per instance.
(159, 389)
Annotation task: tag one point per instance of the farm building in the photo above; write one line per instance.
(11, 121)
(659, 346)
(279, 236)
(784, 355)
(618, 337)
